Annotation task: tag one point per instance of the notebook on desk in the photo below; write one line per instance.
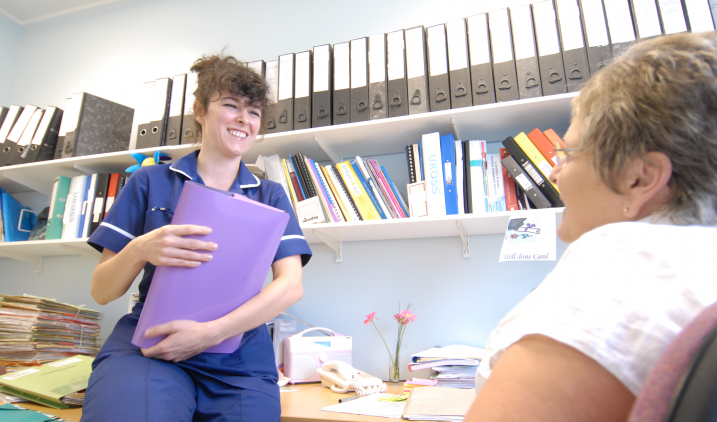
(438, 404)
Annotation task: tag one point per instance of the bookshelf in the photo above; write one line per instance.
(492, 122)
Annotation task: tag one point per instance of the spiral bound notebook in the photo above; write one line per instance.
(247, 234)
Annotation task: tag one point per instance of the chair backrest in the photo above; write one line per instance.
(682, 387)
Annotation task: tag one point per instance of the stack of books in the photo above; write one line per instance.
(452, 366)
(460, 177)
(36, 330)
(354, 190)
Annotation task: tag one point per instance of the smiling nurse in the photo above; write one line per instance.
(174, 380)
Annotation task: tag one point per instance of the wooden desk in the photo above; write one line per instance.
(303, 405)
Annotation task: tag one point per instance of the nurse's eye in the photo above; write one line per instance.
(230, 105)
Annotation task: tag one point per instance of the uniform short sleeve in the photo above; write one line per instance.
(293, 241)
(125, 219)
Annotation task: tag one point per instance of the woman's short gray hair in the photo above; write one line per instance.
(661, 95)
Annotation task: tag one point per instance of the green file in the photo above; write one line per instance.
(47, 384)
(57, 208)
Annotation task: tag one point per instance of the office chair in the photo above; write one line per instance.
(682, 387)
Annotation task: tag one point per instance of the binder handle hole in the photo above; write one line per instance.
(555, 77)
(576, 74)
(377, 103)
(155, 129)
(284, 117)
(6, 149)
(396, 100)
(504, 84)
(33, 147)
(341, 110)
(21, 150)
(483, 88)
(172, 135)
(323, 112)
(271, 124)
(143, 132)
(302, 116)
(362, 105)
(441, 96)
(416, 99)
(460, 91)
(531, 83)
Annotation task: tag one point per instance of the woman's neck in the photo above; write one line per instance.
(221, 173)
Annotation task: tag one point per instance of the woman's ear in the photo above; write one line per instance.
(647, 184)
(199, 112)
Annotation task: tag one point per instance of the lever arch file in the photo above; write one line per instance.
(258, 66)
(439, 89)
(416, 71)
(526, 59)
(359, 80)
(15, 156)
(342, 84)
(189, 131)
(597, 38)
(272, 79)
(483, 87)
(647, 19)
(248, 234)
(144, 116)
(3, 113)
(64, 124)
(378, 107)
(14, 134)
(302, 91)
(321, 110)
(285, 105)
(575, 55)
(699, 15)
(160, 111)
(619, 23)
(459, 72)
(673, 16)
(13, 114)
(176, 110)
(550, 57)
(504, 73)
(396, 72)
(102, 126)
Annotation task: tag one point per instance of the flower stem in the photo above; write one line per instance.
(384, 341)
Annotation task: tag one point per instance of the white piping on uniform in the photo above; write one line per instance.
(292, 236)
(180, 171)
(258, 182)
(117, 229)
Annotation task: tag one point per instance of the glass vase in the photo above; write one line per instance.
(394, 371)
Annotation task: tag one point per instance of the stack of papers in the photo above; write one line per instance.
(438, 404)
(454, 366)
(370, 406)
(35, 330)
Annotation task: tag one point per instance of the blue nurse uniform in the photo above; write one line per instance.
(124, 384)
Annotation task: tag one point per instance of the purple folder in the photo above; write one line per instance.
(247, 234)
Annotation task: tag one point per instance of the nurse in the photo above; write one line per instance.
(174, 380)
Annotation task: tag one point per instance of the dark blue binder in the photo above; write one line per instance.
(17, 224)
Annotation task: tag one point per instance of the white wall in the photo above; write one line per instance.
(111, 50)
(9, 39)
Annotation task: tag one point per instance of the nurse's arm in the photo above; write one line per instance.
(539, 379)
(166, 245)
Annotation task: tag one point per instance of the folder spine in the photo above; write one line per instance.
(321, 110)
(397, 87)
(416, 75)
(378, 106)
(439, 89)
(285, 105)
(504, 70)
(526, 58)
(459, 70)
(271, 117)
(575, 56)
(359, 80)
(190, 133)
(481, 65)
(550, 57)
(599, 49)
(176, 110)
(620, 25)
(302, 90)
(342, 84)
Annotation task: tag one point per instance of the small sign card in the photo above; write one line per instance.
(530, 236)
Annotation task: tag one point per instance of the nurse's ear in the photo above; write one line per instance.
(199, 112)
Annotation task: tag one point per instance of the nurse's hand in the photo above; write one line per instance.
(184, 340)
(167, 246)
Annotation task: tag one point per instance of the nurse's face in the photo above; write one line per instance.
(230, 124)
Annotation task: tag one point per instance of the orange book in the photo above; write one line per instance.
(553, 138)
(544, 146)
(111, 192)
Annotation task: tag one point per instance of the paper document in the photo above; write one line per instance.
(454, 351)
(438, 403)
(371, 406)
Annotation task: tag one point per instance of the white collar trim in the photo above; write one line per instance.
(258, 182)
(180, 171)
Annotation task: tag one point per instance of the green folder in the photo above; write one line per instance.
(48, 383)
(60, 190)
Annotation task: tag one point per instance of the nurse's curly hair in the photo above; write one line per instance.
(218, 73)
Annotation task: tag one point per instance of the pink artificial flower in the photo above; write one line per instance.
(398, 318)
(406, 316)
(370, 317)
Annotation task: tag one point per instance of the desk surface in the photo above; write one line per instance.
(303, 405)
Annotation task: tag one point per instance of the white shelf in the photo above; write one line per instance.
(413, 228)
(49, 248)
(492, 122)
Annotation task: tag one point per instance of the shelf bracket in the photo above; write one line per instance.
(331, 243)
(456, 135)
(38, 187)
(466, 240)
(90, 253)
(27, 258)
(332, 155)
(84, 169)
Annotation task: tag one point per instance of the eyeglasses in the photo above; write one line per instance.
(563, 157)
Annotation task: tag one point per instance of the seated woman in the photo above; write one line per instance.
(174, 380)
(639, 182)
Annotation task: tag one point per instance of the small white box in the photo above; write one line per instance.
(302, 355)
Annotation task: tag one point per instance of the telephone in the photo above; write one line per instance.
(342, 378)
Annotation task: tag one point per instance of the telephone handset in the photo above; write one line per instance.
(342, 378)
